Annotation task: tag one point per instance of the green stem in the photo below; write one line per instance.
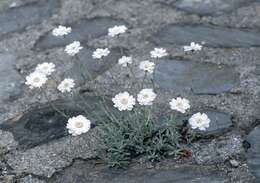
(80, 68)
(134, 79)
(53, 106)
(153, 83)
(142, 85)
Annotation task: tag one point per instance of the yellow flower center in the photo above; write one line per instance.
(179, 104)
(36, 80)
(124, 101)
(78, 125)
(146, 96)
(199, 121)
(66, 85)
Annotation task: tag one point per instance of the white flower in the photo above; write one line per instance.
(66, 85)
(200, 121)
(124, 101)
(36, 80)
(99, 53)
(158, 53)
(45, 68)
(147, 66)
(146, 96)
(180, 104)
(73, 48)
(61, 31)
(124, 61)
(116, 30)
(193, 47)
(78, 125)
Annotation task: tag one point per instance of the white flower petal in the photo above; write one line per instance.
(200, 121)
(116, 30)
(124, 101)
(78, 125)
(66, 85)
(61, 31)
(146, 96)
(73, 48)
(147, 66)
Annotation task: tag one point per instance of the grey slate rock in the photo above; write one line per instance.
(200, 78)
(17, 19)
(85, 67)
(11, 81)
(253, 153)
(213, 36)
(81, 172)
(43, 124)
(82, 30)
(219, 122)
(210, 7)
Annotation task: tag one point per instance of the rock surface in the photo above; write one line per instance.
(83, 30)
(212, 36)
(226, 74)
(45, 160)
(217, 151)
(210, 7)
(219, 122)
(18, 18)
(44, 124)
(82, 172)
(253, 153)
(200, 78)
(11, 85)
(88, 68)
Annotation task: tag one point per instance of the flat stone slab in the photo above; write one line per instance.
(17, 19)
(43, 124)
(48, 158)
(82, 30)
(213, 36)
(82, 172)
(11, 81)
(253, 153)
(219, 123)
(200, 78)
(210, 7)
(87, 68)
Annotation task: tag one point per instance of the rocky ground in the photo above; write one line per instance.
(223, 80)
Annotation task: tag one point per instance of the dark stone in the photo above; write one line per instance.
(213, 36)
(87, 68)
(253, 153)
(200, 78)
(16, 19)
(11, 81)
(83, 30)
(219, 122)
(82, 172)
(257, 69)
(210, 7)
(43, 123)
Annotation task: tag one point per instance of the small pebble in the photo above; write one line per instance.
(234, 163)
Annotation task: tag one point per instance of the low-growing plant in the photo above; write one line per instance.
(138, 133)
(132, 127)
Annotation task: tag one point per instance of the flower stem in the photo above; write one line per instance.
(134, 79)
(53, 106)
(142, 85)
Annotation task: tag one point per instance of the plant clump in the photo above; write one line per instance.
(131, 128)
